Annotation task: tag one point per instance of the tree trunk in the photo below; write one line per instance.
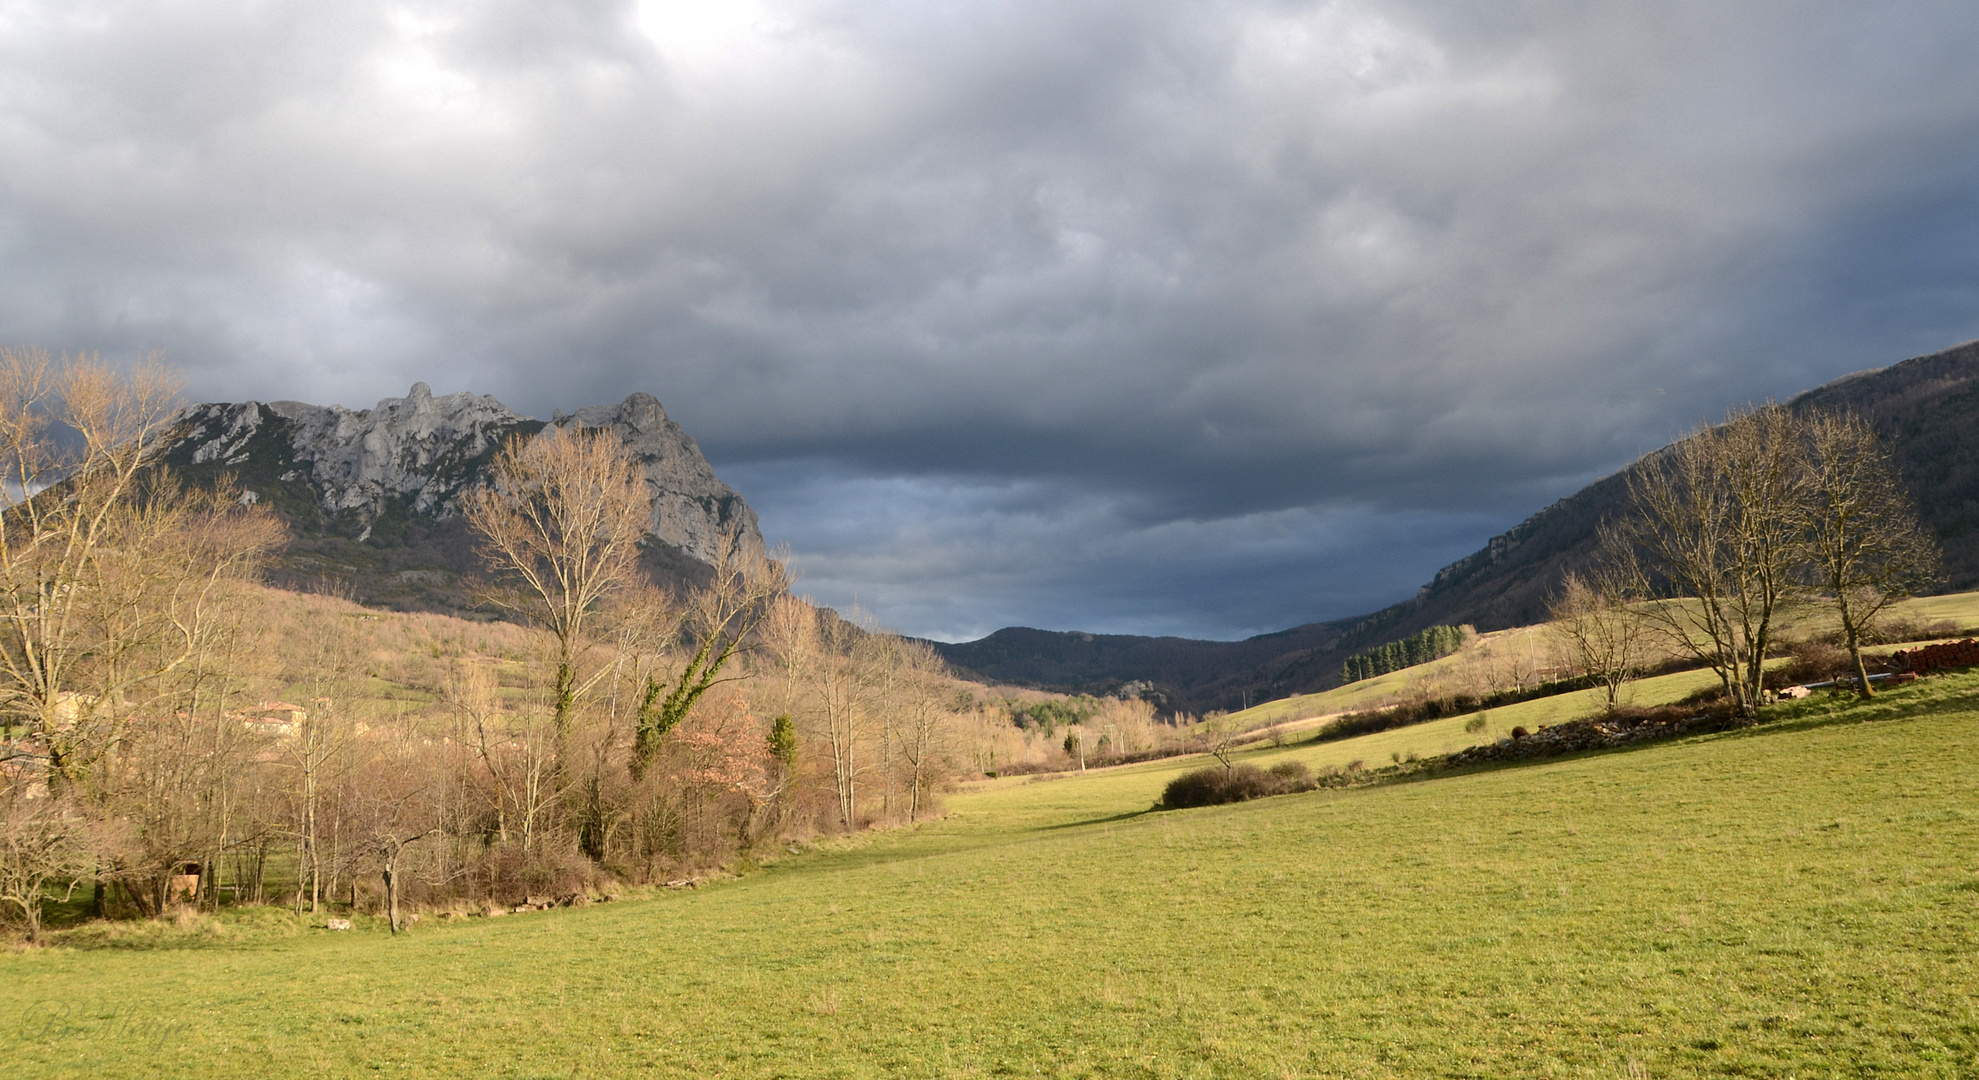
(566, 697)
(1854, 636)
(392, 895)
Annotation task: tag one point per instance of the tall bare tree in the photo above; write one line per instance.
(397, 808)
(513, 748)
(831, 682)
(1867, 548)
(1602, 631)
(562, 521)
(1718, 533)
(112, 574)
(925, 728)
(319, 751)
(887, 661)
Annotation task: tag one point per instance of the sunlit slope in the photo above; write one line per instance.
(1439, 677)
(1794, 900)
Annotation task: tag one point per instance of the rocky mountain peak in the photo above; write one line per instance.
(692, 509)
(376, 476)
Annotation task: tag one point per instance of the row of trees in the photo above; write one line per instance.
(612, 730)
(1431, 643)
(1732, 528)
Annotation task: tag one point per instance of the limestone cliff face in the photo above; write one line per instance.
(692, 509)
(413, 457)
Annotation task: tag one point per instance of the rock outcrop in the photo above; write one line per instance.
(692, 509)
(377, 491)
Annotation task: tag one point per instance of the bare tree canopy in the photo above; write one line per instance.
(112, 574)
(1602, 631)
(562, 523)
(1771, 509)
(1866, 547)
(1719, 532)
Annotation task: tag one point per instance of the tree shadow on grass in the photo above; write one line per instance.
(1126, 816)
(1910, 703)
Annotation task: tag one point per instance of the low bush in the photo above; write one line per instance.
(1215, 785)
(1293, 772)
(1704, 697)
(1811, 660)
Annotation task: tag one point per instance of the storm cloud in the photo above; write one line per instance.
(1201, 318)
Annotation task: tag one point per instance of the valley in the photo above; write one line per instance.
(1574, 917)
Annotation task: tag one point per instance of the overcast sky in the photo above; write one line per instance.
(1200, 318)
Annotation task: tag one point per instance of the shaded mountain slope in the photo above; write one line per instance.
(1177, 674)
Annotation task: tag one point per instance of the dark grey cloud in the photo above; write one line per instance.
(1178, 317)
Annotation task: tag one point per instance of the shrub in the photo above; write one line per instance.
(1703, 697)
(1477, 723)
(507, 873)
(1812, 660)
(1292, 772)
(1214, 784)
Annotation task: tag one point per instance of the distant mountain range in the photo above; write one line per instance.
(1928, 409)
(372, 496)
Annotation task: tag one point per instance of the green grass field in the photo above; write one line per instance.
(1793, 900)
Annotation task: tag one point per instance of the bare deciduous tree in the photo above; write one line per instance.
(319, 752)
(44, 841)
(817, 654)
(110, 571)
(1867, 548)
(1218, 735)
(1602, 632)
(513, 748)
(396, 807)
(925, 720)
(562, 521)
(1718, 533)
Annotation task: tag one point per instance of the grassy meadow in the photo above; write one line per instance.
(1793, 900)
